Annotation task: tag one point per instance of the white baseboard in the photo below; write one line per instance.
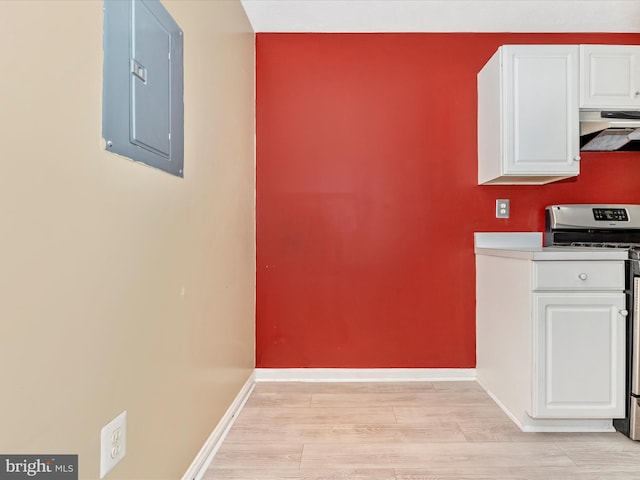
(204, 458)
(503, 407)
(363, 374)
(540, 425)
(207, 452)
(573, 425)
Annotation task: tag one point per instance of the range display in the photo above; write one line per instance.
(611, 214)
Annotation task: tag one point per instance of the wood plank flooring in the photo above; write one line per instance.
(404, 431)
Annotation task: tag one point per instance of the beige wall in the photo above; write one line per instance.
(96, 250)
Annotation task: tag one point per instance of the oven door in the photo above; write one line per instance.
(630, 424)
(634, 360)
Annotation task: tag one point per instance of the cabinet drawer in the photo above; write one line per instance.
(572, 275)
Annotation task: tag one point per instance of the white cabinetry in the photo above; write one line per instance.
(578, 339)
(551, 340)
(528, 115)
(578, 355)
(610, 76)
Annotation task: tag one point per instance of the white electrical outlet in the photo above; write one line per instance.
(113, 443)
(503, 207)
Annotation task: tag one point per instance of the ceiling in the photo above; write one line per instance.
(444, 15)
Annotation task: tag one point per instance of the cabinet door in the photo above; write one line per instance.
(579, 355)
(610, 76)
(541, 109)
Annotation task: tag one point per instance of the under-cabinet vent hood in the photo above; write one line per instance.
(609, 130)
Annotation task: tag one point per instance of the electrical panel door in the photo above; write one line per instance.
(143, 84)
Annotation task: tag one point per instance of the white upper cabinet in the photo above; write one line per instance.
(610, 76)
(528, 122)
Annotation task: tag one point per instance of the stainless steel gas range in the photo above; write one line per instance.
(609, 226)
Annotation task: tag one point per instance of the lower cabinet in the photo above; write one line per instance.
(551, 341)
(578, 355)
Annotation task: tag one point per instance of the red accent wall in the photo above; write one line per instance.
(367, 198)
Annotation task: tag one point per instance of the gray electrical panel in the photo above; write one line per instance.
(142, 104)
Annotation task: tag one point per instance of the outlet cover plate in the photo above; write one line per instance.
(113, 443)
(503, 208)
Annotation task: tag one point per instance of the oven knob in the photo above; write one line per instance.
(624, 313)
(582, 276)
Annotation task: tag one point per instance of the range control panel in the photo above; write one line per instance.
(610, 214)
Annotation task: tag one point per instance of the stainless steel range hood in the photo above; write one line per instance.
(609, 130)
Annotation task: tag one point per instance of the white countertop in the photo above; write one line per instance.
(528, 246)
(556, 253)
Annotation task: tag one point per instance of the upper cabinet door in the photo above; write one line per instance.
(610, 76)
(528, 123)
(541, 109)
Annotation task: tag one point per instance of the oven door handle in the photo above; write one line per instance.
(635, 332)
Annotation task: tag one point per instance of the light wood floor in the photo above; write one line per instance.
(404, 431)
